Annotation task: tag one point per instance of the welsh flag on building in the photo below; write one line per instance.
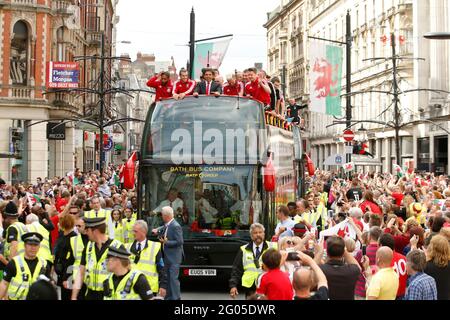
(325, 78)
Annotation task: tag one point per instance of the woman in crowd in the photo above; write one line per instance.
(438, 256)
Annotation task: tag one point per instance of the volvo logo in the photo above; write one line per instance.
(201, 247)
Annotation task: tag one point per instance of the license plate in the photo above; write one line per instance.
(202, 272)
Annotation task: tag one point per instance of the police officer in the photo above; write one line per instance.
(33, 225)
(14, 231)
(247, 264)
(24, 269)
(125, 283)
(92, 269)
(147, 257)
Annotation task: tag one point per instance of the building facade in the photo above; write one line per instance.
(134, 76)
(33, 33)
(372, 23)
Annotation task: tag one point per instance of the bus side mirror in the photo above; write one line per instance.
(269, 176)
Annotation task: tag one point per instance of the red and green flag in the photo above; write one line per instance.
(326, 78)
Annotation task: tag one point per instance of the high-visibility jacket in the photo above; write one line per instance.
(251, 271)
(147, 263)
(96, 272)
(119, 231)
(322, 214)
(21, 283)
(124, 290)
(312, 217)
(128, 234)
(102, 213)
(77, 246)
(44, 250)
(21, 230)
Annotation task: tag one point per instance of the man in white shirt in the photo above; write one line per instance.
(205, 209)
(172, 201)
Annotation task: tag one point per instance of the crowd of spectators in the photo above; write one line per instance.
(380, 237)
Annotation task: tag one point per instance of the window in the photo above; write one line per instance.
(60, 44)
(19, 54)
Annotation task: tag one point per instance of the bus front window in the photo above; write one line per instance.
(207, 200)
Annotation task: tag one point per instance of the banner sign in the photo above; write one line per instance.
(56, 131)
(325, 78)
(209, 54)
(63, 75)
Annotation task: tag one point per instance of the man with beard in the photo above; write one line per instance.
(247, 264)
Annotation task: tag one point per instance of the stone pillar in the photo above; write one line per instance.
(448, 158)
(68, 151)
(439, 65)
(37, 152)
(4, 148)
(432, 152)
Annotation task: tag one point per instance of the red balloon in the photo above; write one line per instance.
(269, 176)
(310, 166)
(128, 172)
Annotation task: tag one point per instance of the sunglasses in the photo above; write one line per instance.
(289, 242)
(73, 213)
(78, 226)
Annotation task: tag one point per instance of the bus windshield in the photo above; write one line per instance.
(208, 201)
(224, 130)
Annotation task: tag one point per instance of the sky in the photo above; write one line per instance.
(162, 28)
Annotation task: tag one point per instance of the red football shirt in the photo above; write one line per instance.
(399, 264)
(398, 198)
(184, 87)
(55, 233)
(373, 207)
(162, 91)
(230, 90)
(275, 285)
(257, 92)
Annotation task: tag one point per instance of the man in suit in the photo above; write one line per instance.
(208, 86)
(147, 257)
(171, 237)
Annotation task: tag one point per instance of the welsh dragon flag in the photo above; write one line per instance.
(325, 78)
(209, 54)
(398, 171)
(32, 199)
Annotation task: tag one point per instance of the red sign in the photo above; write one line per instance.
(349, 135)
(63, 75)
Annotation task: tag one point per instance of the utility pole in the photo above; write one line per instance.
(348, 107)
(192, 46)
(396, 94)
(101, 93)
(283, 80)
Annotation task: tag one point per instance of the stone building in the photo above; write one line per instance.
(33, 33)
(372, 23)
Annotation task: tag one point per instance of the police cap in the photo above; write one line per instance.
(32, 238)
(94, 222)
(11, 210)
(118, 252)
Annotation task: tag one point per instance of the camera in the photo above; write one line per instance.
(293, 256)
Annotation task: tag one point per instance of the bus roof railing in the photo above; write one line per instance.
(270, 118)
(276, 121)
